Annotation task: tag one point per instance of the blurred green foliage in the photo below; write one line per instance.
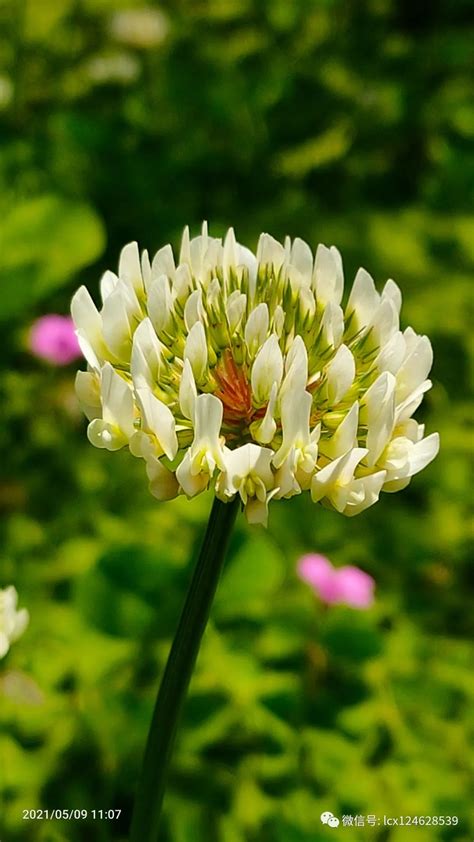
(344, 122)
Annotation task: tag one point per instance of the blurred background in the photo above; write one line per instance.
(341, 122)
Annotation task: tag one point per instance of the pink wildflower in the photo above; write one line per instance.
(344, 585)
(53, 338)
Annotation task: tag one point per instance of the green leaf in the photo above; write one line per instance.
(350, 636)
(146, 574)
(44, 241)
(112, 610)
(252, 578)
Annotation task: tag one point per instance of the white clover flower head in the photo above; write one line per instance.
(242, 372)
(12, 622)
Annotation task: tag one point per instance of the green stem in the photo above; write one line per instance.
(178, 671)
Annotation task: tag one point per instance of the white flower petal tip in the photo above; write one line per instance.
(162, 482)
(195, 350)
(267, 369)
(13, 622)
(115, 427)
(130, 269)
(340, 375)
(225, 369)
(158, 421)
(205, 453)
(328, 276)
(247, 472)
(403, 458)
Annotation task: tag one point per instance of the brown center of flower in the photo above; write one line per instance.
(234, 391)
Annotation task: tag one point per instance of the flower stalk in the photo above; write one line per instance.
(178, 672)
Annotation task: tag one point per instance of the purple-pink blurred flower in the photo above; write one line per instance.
(348, 585)
(53, 338)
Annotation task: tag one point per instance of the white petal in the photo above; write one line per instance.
(332, 324)
(182, 282)
(363, 300)
(336, 256)
(364, 492)
(328, 280)
(225, 488)
(208, 412)
(423, 453)
(88, 393)
(213, 294)
(411, 430)
(191, 484)
(247, 259)
(267, 369)
(185, 252)
(382, 387)
(345, 437)
(336, 475)
(193, 310)
(144, 446)
(380, 403)
(296, 367)
(197, 250)
(247, 460)
(340, 374)
(270, 251)
(403, 458)
(349, 464)
(391, 486)
(88, 322)
(385, 322)
(4, 644)
(146, 269)
(415, 368)
(146, 358)
(278, 320)
(235, 309)
(195, 350)
(285, 479)
(264, 430)
(229, 254)
(392, 291)
(307, 304)
(117, 400)
(163, 483)
(392, 354)
(158, 419)
(256, 329)
(326, 477)
(256, 511)
(129, 267)
(117, 318)
(295, 413)
(108, 282)
(410, 405)
(160, 305)
(301, 257)
(105, 435)
(187, 391)
(297, 356)
(88, 352)
(163, 263)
